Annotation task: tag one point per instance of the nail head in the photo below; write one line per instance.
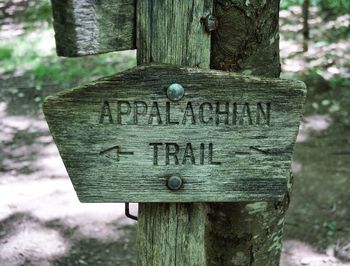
(175, 92)
(174, 182)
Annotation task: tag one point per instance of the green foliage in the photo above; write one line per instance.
(65, 70)
(332, 6)
(39, 12)
(34, 55)
(340, 82)
(5, 53)
(285, 4)
(332, 226)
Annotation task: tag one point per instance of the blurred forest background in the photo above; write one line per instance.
(41, 219)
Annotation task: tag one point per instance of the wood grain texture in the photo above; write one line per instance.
(173, 33)
(182, 238)
(254, 156)
(85, 27)
(177, 240)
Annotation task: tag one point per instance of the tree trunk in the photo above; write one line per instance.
(213, 233)
(247, 38)
(246, 233)
(306, 35)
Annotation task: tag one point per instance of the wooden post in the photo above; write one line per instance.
(172, 32)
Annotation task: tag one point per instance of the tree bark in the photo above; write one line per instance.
(306, 32)
(213, 233)
(247, 37)
(247, 41)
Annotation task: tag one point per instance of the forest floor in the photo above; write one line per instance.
(43, 223)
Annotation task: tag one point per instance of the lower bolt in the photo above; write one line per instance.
(174, 182)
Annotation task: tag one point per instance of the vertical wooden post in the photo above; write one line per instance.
(172, 32)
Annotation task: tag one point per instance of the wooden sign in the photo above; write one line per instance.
(174, 134)
(88, 27)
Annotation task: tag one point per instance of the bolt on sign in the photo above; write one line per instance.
(163, 133)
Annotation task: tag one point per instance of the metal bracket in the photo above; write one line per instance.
(127, 212)
(210, 23)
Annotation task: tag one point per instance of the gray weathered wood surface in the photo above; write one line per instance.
(180, 239)
(176, 38)
(254, 154)
(173, 233)
(86, 27)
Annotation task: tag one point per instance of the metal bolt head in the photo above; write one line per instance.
(174, 182)
(210, 23)
(175, 92)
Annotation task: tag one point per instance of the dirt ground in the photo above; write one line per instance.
(43, 223)
(317, 230)
(317, 224)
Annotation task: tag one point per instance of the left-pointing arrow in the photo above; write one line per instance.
(118, 152)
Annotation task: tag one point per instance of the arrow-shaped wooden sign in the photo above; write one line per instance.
(172, 134)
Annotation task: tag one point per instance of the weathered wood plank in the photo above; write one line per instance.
(177, 240)
(85, 27)
(234, 135)
(173, 33)
(174, 233)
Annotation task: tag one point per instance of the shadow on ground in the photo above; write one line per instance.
(318, 218)
(41, 220)
(34, 242)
